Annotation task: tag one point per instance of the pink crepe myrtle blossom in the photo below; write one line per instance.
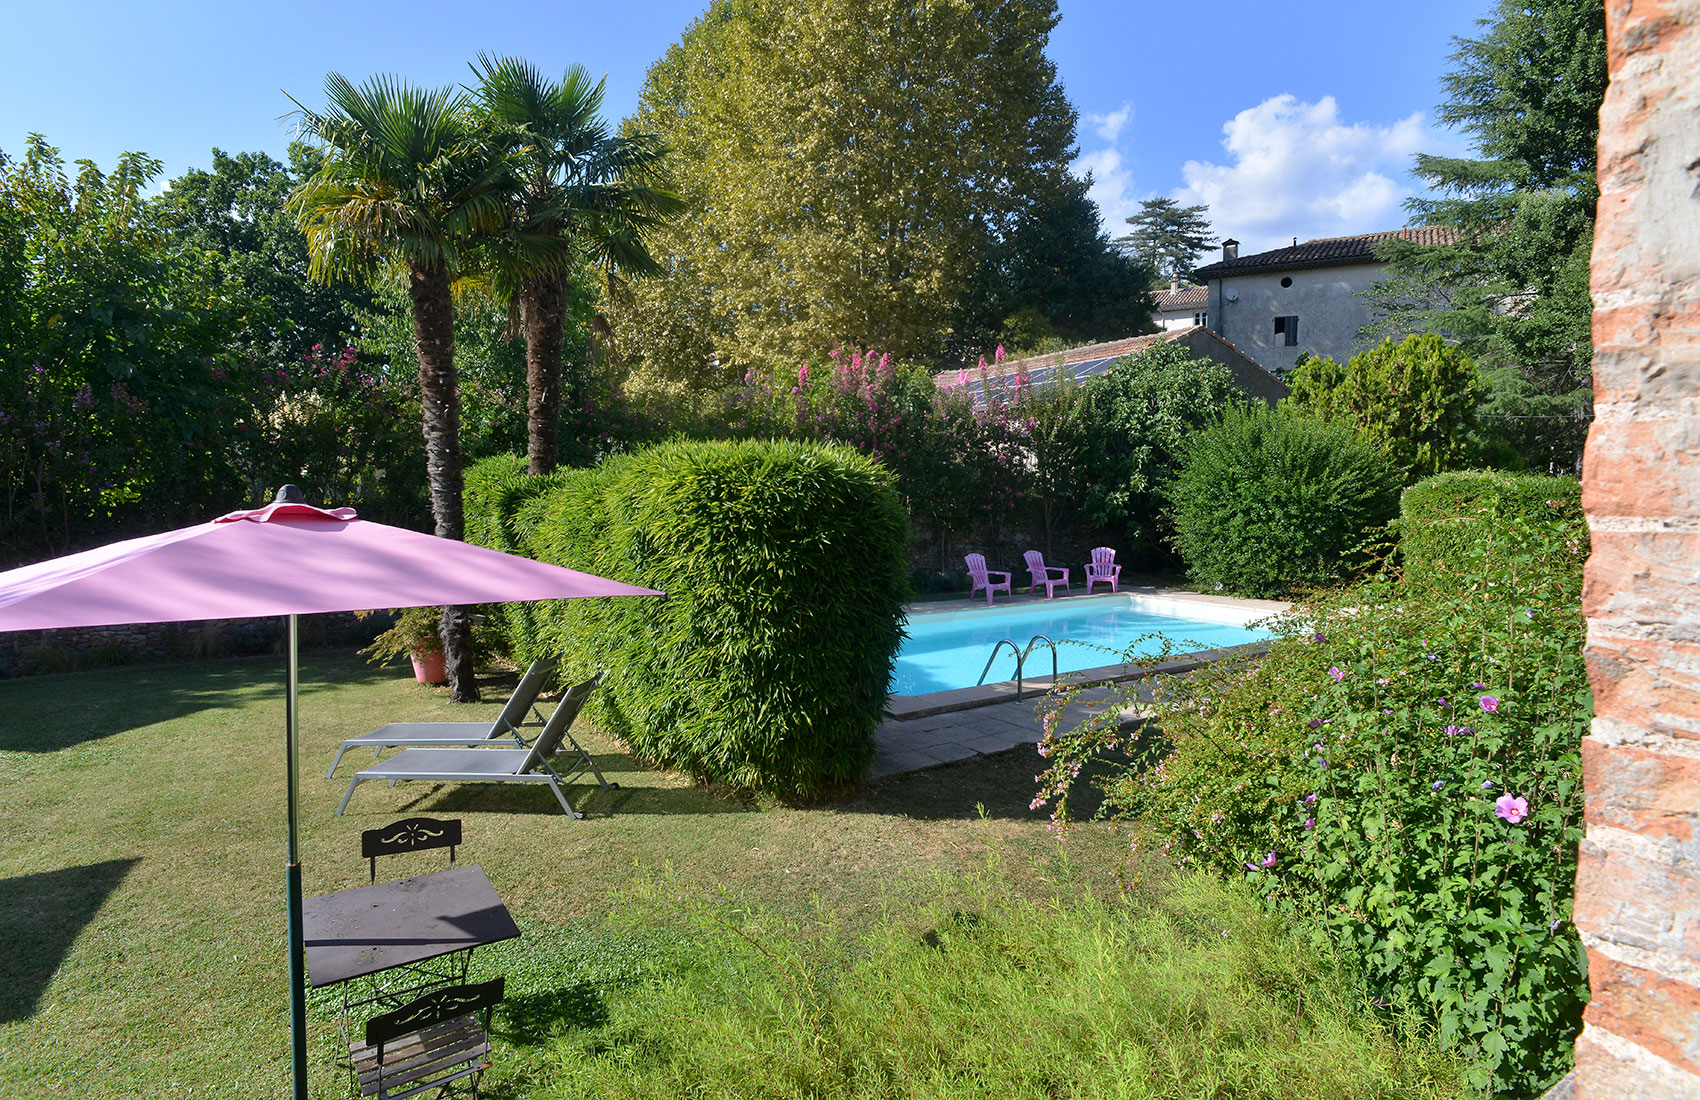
(1511, 809)
(1309, 798)
(1490, 704)
(1336, 673)
(1310, 822)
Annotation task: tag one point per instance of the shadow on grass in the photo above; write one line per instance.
(532, 1019)
(585, 796)
(40, 916)
(1001, 784)
(51, 713)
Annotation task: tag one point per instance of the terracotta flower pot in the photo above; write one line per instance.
(428, 667)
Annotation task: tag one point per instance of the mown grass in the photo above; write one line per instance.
(141, 868)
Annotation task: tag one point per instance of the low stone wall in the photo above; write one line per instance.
(40, 652)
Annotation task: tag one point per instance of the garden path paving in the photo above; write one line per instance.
(918, 743)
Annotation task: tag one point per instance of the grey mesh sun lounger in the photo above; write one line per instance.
(488, 765)
(454, 734)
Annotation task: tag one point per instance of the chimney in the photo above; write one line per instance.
(1230, 249)
(1174, 284)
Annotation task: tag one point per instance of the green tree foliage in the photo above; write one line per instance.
(113, 365)
(850, 167)
(577, 192)
(408, 179)
(1513, 286)
(1167, 237)
(1056, 281)
(234, 215)
(785, 564)
(1415, 399)
(1268, 503)
(1127, 430)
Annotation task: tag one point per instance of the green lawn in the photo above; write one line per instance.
(141, 863)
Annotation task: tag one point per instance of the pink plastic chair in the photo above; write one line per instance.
(1103, 569)
(1045, 574)
(981, 577)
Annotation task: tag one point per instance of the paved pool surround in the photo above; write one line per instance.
(925, 731)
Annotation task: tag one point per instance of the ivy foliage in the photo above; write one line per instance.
(1401, 771)
(1270, 502)
(766, 667)
(1415, 399)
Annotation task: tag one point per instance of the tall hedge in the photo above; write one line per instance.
(1271, 502)
(785, 566)
(1443, 518)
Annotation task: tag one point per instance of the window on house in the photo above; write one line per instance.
(1287, 331)
(1201, 318)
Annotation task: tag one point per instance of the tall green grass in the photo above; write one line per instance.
(1197, 994)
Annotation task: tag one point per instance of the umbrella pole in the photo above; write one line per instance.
(292, 886)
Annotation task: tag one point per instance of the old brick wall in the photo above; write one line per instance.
(1638, 886)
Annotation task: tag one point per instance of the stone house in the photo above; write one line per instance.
(1276, 305)
(1180, 307)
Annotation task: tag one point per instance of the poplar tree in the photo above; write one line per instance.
(851, 167)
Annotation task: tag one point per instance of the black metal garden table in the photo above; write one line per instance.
(402, 926)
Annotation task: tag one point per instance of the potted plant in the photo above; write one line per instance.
(413, 635)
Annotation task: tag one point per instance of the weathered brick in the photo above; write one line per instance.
(1659, 1014)
(1653, 793)
(1653, 684)
(1638, 879)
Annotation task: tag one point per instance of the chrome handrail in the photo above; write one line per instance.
(1020, 660)
(1014, 649)
(1049, 641)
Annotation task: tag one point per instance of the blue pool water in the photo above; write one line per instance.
(946, 650)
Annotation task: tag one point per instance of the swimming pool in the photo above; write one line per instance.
(947, 649)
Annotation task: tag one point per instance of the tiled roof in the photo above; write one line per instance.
(1326, 252)
(1185, 298)
(1082, 363)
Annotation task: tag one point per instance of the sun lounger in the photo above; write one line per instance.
(491, 765)
(454, 734)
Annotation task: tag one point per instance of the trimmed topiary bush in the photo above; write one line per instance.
(785, 564)
(1443, 520)
(1270, 502)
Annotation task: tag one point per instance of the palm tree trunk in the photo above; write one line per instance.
(439, 393)
(542, 305)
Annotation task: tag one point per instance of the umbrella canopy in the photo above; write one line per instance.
(285, 559)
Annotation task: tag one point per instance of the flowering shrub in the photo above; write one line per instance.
(1403, 769)
(329, 424)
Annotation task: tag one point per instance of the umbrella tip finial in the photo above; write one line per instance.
(291, 494)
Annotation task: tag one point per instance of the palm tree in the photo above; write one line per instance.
(578, 191)
(409, 180)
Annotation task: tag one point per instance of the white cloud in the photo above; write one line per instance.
(1111, 188)
(1297, 170)
(1110, 126)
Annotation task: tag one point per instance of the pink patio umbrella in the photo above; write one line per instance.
(285, 559)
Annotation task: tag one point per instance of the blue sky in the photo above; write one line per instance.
(1287, 120)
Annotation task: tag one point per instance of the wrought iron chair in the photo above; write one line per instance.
(412, 834)
(429, 1043)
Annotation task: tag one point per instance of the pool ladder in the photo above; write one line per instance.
(1020, 659)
